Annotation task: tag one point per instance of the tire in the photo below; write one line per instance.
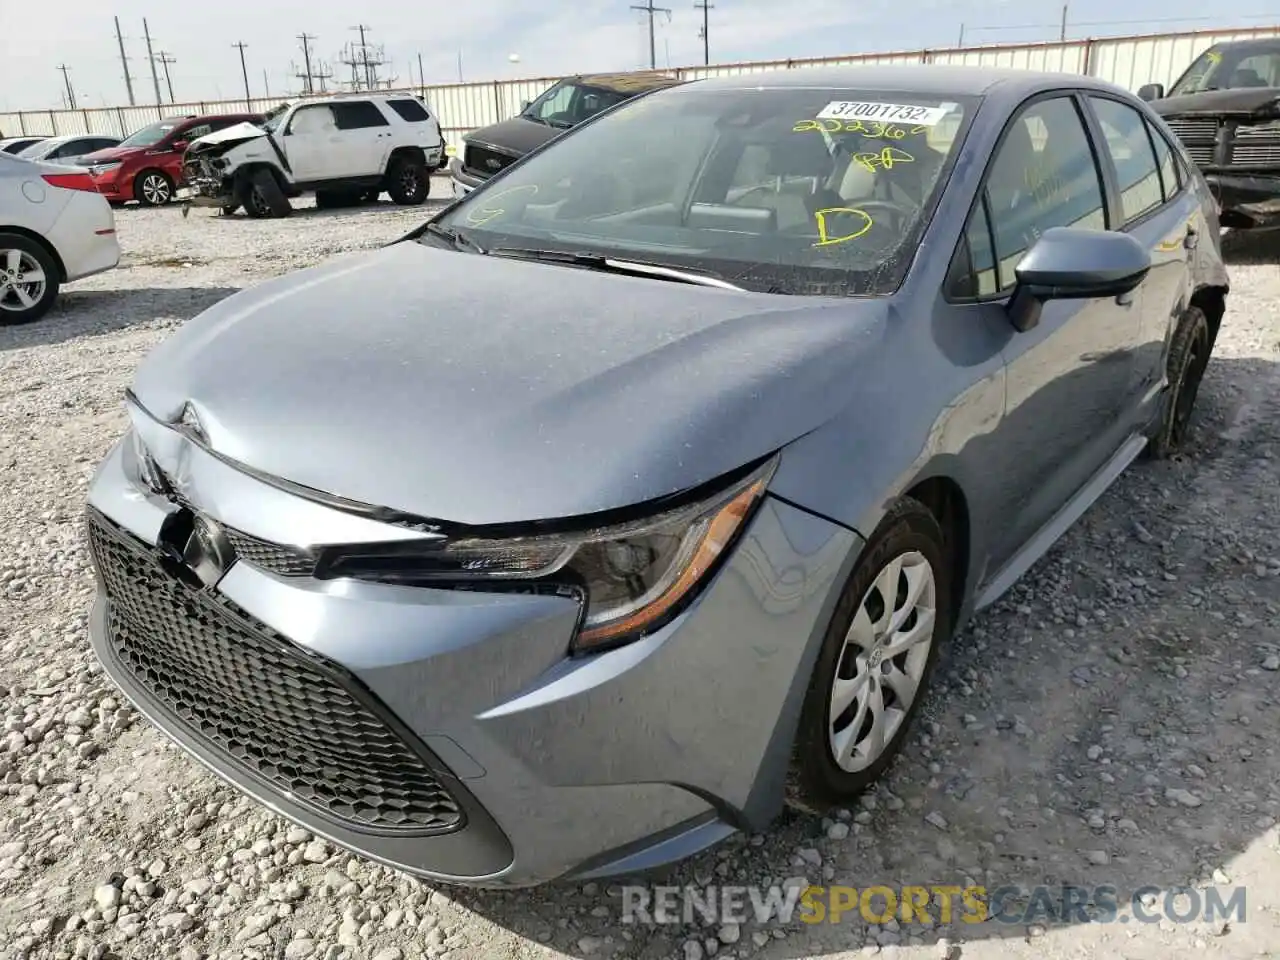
(408, 181)
(229, 209)
(1188, 356)
(909, 540)
(22, 257)
(153, 188)
(262, 197)
(371, 196)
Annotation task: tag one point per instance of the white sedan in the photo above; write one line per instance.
(54, 228)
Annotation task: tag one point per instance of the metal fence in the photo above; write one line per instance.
(1128, 61)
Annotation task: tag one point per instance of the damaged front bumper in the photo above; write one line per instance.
(204, 186)
(1248, 200)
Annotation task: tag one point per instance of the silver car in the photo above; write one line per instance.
(639, 489)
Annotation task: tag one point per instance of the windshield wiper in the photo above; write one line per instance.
(457, 238)
(595, 261)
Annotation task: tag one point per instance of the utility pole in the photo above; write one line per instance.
(66, 79)
(650, 9)
(960, 42)
(460, 66)
(422, 79)
(705, 6)
(364, 55)
(155, 77)
(244, 71)
(266, 84)
(165, 59)
(124, 62)
(1063, 34)
(306, 39)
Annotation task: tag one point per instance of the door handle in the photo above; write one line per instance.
(1191, 239)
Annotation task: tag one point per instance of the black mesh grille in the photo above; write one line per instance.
(272, 557)
(281, 716)
(485, 162)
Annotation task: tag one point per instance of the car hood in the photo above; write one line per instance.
(225, 138)
(1241, 101)
(110, 155)
(516, 136)
(482, 390)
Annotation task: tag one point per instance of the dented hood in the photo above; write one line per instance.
(481, 390)
(1241, 101)
(228, 136)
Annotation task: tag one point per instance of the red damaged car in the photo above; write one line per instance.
(147, 166)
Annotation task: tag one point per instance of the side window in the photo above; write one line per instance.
(1043, 175)
(409, 110)
(357, 115)
(558, 103)
(1126, 138)
(973, 270)
(1170, 173)
(202, 130)
(311, 120)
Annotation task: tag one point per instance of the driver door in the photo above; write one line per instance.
(311, 143)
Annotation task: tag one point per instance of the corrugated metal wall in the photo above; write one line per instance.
(1127, 61)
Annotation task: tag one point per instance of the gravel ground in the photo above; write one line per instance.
(1113, 721)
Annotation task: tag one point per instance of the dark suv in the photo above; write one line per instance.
(147, 165)
(571, 101)
(1226, 111)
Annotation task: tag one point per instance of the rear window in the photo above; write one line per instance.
(410, 110)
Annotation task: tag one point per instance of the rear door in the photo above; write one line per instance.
(1153, 206)
(366, 137)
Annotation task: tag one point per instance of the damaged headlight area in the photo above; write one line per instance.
(631, 577)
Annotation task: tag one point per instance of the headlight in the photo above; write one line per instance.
(632, 577)
(98, 169)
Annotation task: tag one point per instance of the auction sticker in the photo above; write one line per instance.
(884, 112)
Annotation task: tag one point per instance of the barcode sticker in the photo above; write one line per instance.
(884, 112)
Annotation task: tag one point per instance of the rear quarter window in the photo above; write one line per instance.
(410, 110)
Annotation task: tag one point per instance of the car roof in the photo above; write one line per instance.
(924, 79)
(637, 82)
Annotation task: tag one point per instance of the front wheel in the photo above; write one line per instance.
(876, 660)
(408, 181)
(262, 197)
(153, 188)
(1188, 357)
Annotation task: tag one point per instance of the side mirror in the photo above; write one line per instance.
(180, 146)
(524, 105)
(1151, 91)
(1068, 263)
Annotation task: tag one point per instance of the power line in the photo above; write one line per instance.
(244, 71)
(705, 7)
(66, 79)
(155, 77)
(124, 62)
(165, 59)
(650, 9)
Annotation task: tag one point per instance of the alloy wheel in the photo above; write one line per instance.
(155, 189)
(22, 281)
(411, 181)
(885, 655)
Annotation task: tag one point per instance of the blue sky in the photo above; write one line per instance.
(550, 38)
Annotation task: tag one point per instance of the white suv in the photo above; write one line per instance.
(347, 149)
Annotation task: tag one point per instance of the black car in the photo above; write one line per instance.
(568, 103)
(1225, 109)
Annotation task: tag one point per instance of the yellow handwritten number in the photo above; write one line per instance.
(486, 211)
(860, 217)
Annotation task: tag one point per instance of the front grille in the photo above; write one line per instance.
(1202, 156)
(290, 720)
(1257, 144)
(485, 162)
(1202, 129)
(272, 557)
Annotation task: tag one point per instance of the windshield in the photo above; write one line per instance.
(273, 118)
(149, 136)
(791, 190)
(569, 103)
(1227, 67)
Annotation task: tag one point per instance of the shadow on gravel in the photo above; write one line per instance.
(1251, 247)
(90, 313)
(1109, 723)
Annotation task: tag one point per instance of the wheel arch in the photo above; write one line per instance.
(943, 497)
(408, 151)
(1212, 300)
(43, 243)
(245, 171)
